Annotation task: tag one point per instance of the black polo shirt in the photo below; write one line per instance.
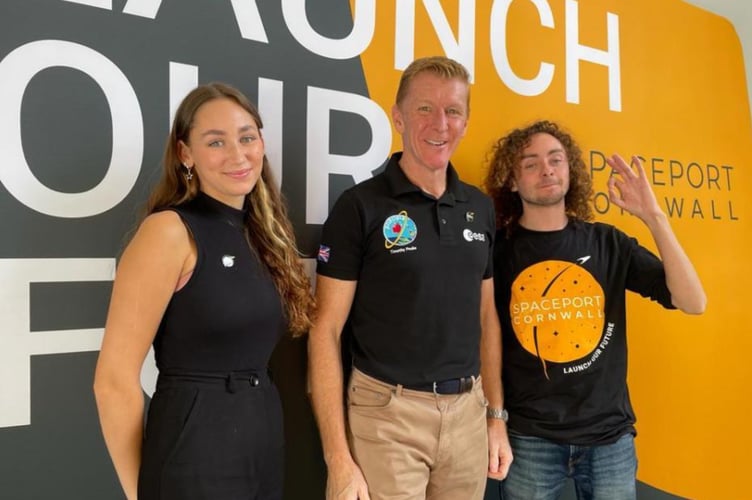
(419, 263)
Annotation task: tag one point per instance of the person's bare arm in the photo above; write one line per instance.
(145, 280)
(334, 298)
(632, 192)
(499, 450)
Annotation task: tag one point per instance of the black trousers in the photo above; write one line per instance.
(213, 437)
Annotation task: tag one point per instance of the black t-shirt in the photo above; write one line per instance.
(561, 301)
(419, 263)
(228, 316)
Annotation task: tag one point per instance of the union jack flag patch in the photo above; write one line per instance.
(323, 253)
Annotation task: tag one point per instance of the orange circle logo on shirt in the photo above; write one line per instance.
(556, 310)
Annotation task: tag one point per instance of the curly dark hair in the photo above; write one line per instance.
(505, 157)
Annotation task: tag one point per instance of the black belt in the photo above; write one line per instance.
(451, 386)
(232, 381)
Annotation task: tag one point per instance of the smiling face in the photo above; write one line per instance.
(542, 175)
(225, 149)
(432, 118)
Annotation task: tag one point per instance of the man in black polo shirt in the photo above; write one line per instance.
(405, 266)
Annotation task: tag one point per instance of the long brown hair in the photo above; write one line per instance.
(268, 227)
(505, 158)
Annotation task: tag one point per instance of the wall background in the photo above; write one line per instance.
(87, 88)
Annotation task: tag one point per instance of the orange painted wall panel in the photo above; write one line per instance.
(684, 108)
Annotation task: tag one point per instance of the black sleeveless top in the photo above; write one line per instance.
(228, 316)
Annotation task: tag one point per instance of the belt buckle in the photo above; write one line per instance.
(466, 383)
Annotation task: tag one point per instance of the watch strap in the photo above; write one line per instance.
(497, 413)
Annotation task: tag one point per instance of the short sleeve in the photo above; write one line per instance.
(645, 274)
(340, 254)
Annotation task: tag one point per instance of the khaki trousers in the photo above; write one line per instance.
(418, 445)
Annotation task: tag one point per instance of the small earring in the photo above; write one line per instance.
(189, 173)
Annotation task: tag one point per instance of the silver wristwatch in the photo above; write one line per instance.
(498, 413)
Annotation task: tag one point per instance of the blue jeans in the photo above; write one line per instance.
(540, 470)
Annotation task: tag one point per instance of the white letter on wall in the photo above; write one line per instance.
(320, 162)
(246, 14)
(577, 53)
(364, 21)
(461, 49)
(183, 79)
(102, 4)
(522, 86)
(142, 8)
(19, 343)
(249, 20)
(270, 94)
(16, 70)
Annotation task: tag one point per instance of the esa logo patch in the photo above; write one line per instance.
(471, 236)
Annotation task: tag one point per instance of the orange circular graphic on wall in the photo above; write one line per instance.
(556, 310)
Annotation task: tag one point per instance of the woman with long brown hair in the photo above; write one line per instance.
(211, 278)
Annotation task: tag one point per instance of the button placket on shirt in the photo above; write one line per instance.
(446, 231)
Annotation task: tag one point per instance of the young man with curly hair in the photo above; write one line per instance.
(560, 286)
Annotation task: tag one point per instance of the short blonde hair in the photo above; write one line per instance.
(439, 65)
